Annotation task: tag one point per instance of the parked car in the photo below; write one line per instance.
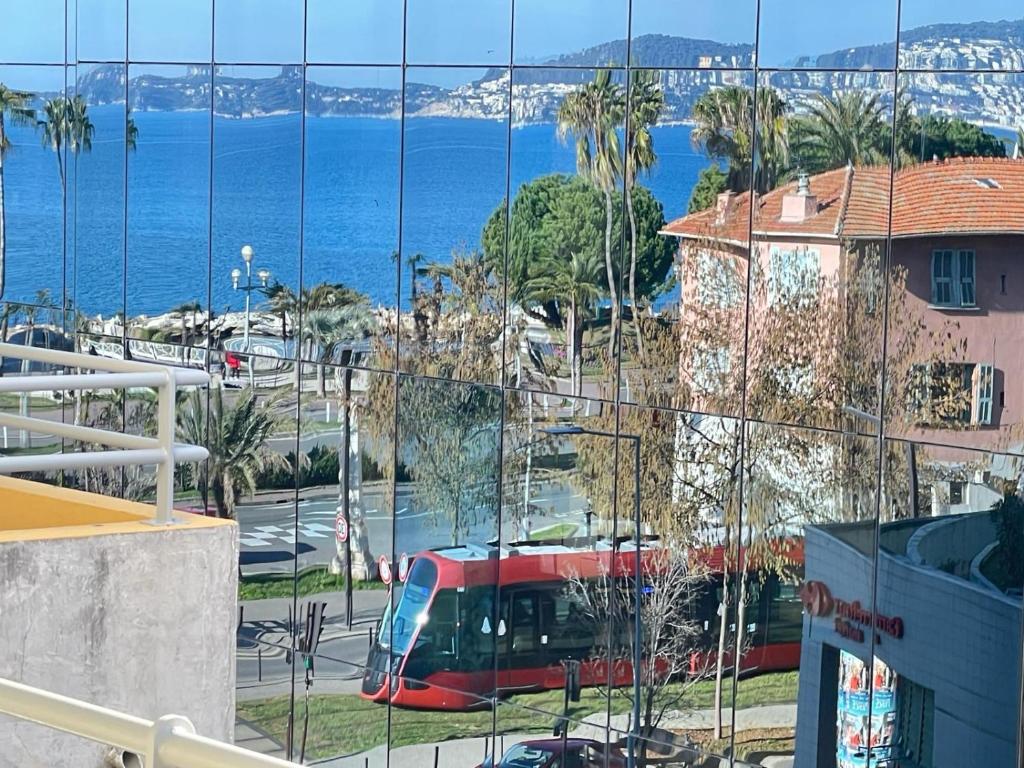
(553, 753)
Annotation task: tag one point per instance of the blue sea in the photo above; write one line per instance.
(342, 225)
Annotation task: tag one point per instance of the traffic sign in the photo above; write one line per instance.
(403, 567)
(341, 529)
(384, 568)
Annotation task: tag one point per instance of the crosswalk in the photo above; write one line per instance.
(274, 535)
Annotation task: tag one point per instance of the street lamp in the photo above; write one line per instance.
(574, 429)
(248, 288)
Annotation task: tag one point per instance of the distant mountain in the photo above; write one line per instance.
(995, 44)
(689, 67)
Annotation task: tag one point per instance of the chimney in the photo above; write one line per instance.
(723, 204)
(801, 204)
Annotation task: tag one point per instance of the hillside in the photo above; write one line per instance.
(537, 91)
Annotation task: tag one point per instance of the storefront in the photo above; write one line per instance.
(931, 678)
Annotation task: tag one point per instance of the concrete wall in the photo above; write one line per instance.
(141, 621)
(960, 640)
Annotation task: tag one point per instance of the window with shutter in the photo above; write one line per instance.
(966, 275)
(953, 278)
(981, 394)
(942, 278)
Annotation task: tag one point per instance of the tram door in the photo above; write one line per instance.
(520, 641)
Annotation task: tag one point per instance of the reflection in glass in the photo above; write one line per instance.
(168, 189)
(458, 32)
(667, 33)
(354, 33)
(166, 32)
(585, 34)
(270, 32)
(804, 34)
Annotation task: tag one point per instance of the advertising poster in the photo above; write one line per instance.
(866, 715)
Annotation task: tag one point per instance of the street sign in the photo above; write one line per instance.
(403, 567)
(384, 568)
(341, 529)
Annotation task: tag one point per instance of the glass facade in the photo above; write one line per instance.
(666, 349)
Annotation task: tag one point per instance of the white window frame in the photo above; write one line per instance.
(960, 280)
(806, 286)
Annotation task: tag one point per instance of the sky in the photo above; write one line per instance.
(455, 32)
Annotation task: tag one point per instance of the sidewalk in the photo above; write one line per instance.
(467, 753)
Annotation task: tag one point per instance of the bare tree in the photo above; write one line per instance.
(671, 583)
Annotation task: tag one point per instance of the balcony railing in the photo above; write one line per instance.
(170, 742)
(161, 450)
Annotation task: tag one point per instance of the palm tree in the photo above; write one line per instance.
(841, 130)
(646, 101)
(593, 114)
(334, 332)
(66, 125)
(237, 441)
(13, 107)
(725, 130)
(577, 282)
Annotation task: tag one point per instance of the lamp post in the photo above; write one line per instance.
(572, 429)
(248, 288)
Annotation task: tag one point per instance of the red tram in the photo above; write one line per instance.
(462, 606)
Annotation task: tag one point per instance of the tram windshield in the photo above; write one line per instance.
(410, 612)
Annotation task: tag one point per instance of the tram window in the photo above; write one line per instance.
(568, 627)
(524, 624)
(785, 613)
(477, 633)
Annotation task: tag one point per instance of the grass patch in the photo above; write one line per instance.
(262, 586)
(556, 531)
(344, 724)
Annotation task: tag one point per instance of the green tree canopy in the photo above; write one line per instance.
(951, 137)
(557, 215)
(709, 186)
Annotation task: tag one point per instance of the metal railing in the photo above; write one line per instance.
(161, 450)
(170, 742)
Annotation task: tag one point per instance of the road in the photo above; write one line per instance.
(267, 529)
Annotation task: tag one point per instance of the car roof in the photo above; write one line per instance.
(556, 744)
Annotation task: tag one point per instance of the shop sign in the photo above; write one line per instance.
(851, 618)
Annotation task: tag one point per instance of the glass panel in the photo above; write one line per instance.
(683, 342)
(269, 31)
(256, 216)
(935, 552)
(101, 29)
(168, 195)
(351, 215)
(178, 32)
(564, 250)
(356, 507)
(266, 515)
(357, 33)
(667, 33)
(952, 304)
(97, 280)
(33, 33)
(34, 181)
(824, 168)
(458, 32)
(446, 524)
(455, 176)
(949, 37)
(38, 325)
(800, 33)
(802, 488)
(575, 33)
